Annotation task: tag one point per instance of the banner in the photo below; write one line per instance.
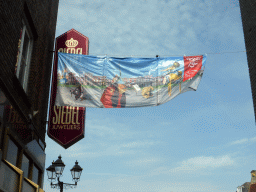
(67, 123)
(93, 81)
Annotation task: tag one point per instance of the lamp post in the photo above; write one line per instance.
(56, 169)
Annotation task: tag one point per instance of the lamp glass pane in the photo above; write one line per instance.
(58, 169)
(77, 174)
(51, 175)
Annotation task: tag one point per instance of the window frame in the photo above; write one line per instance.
(25, 30)
(18, 150)
(38, 173)
(8, 135)
(29, 160)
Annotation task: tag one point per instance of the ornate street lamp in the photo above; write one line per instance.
(51, 172)
(56, 169)
(59, 166)
(76, 172)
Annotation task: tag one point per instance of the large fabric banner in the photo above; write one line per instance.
(108, 82)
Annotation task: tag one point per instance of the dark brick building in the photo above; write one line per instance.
(248, 14)
(27, 37)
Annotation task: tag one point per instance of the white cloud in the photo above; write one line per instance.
(201, 164)
(167, 26)
(130, 148)
(107, 128)
(138, 144)
(197, 163)
(109, 152)
(143, 162)
(241, 141)
(127, 183)
(253, 139)
(204, 162)
(131, 21)
(112, 150)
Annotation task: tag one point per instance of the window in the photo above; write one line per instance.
(26, 187)
(24, 55)
(35, 174)
(12, 152)
(41, 144)
(25, 165)
(9, 179)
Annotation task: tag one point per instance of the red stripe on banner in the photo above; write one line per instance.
(192, 64)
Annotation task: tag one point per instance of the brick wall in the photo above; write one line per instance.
(42, 17)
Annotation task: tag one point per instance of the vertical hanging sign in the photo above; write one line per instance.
(66, 123)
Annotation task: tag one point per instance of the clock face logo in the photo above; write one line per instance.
(253, 174)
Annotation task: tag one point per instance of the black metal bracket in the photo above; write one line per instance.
(61, 185)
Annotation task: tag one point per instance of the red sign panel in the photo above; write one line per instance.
(66, 123)
(192, 64)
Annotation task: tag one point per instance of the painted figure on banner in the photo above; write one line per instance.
(172, 77)
(147, 92)
(114, 95)
(78, 93)
(64, 76)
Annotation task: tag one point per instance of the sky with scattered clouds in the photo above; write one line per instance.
(198, 142)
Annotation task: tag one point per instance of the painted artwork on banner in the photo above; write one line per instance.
(108, 82)
(67, 123)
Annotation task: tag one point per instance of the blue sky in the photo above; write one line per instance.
(199, 141)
